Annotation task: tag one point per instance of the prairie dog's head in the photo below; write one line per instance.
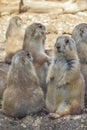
(64, 46)
(79, 33)
(16, 21)
(22, 58)
(35, 31)
(14, 24)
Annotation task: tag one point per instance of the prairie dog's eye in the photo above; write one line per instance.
(29, 54)
(40, 26)
(66, 41)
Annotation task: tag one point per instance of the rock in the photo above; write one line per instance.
(50, 28)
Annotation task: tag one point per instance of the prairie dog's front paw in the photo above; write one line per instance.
(53, 116)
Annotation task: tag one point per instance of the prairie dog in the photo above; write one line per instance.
(3, 81)
(65, 93)
(34, 40)
(4, 68)
(23, 94)
(79, 34)
(14, 38)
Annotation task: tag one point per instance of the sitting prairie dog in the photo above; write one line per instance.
(14, 38)
(34, 39)
(4, 68)
(65, 93)
(79, 34)
(23, 94)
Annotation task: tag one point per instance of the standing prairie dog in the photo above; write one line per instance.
(23, 94)
(79, 34)
(14, 38)
(65, 94)
(34, 40)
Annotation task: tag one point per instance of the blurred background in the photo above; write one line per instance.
(59, 17)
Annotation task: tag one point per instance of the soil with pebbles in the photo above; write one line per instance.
(42, 121)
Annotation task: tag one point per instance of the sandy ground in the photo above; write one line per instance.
(59, 18)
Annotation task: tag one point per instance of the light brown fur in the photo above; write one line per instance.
(23, 94)
(3, 77)
(14, 38)
(65, 94)
(34, 40)
(79, 34)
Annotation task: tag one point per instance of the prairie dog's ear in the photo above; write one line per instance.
(71, 43)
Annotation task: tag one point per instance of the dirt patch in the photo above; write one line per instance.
(42, 122)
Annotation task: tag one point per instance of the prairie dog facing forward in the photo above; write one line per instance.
(23, 94)
(34, 39)
(65, 93)
(79, 34)
(14, 38)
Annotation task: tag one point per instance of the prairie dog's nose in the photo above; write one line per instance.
(59, 49)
